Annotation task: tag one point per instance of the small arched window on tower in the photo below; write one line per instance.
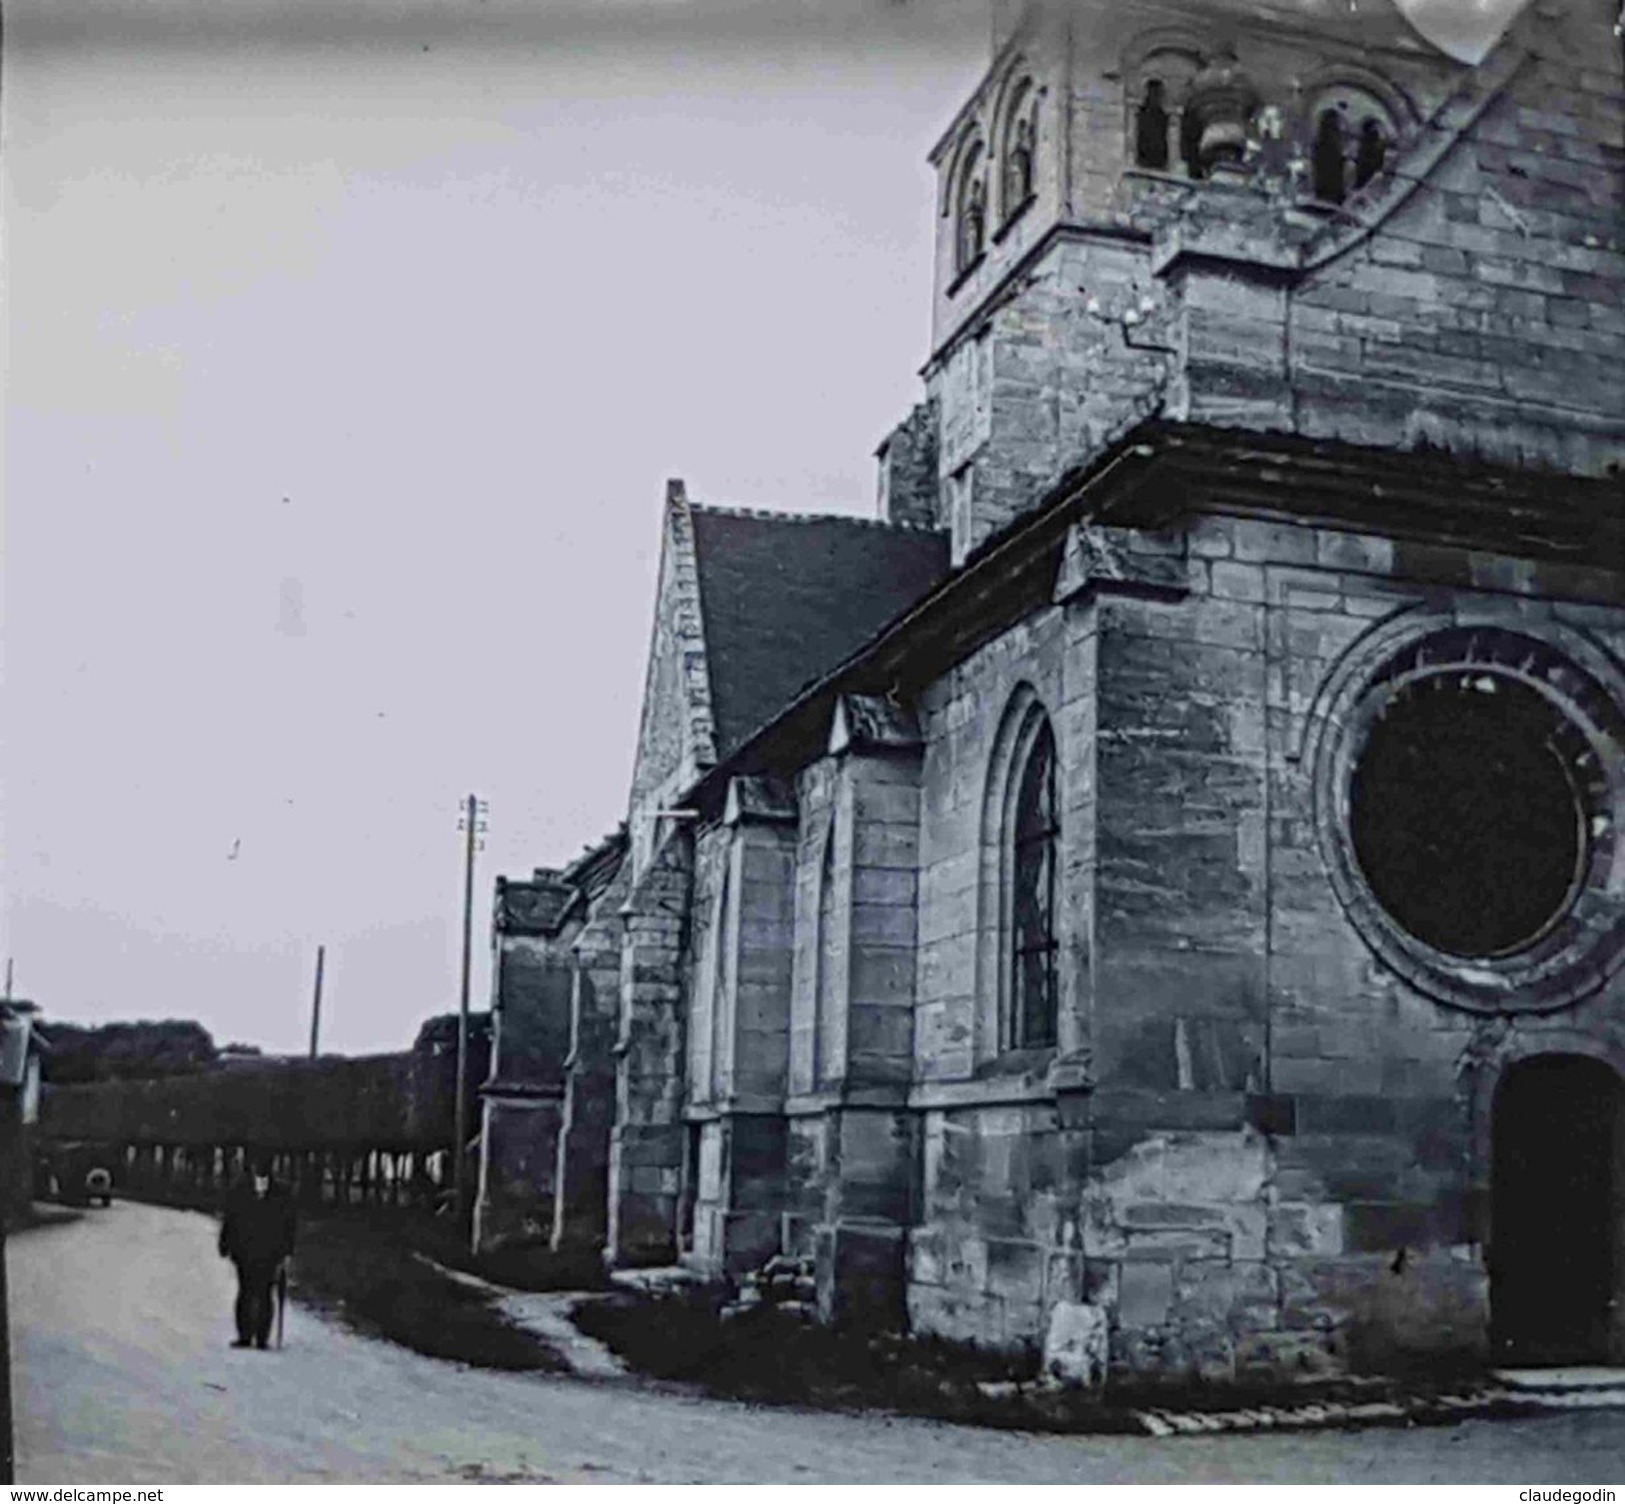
(970, 221)
(1190, 142)
(1371, 153)
(1151, 121)
(1353, 132)
(1330, 181)
(1017, 140)
(1034, 982)
(1018, 167)
(1158, 71)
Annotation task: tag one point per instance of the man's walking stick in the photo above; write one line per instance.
(281, 1299)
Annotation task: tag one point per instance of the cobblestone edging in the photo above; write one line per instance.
(1493, 1401)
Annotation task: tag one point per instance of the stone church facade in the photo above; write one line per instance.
(1166, 870)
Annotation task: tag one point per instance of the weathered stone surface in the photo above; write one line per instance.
(1105, 558)
(1076, 1345)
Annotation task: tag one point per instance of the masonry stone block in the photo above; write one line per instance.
(1145, 1294)
(861, 1275)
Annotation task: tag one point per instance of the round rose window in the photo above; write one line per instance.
(1467, 811)
(1470, 797)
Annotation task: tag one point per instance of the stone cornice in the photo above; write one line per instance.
(872, 721)
(761, 801)
(688, 623)
(1153, 475)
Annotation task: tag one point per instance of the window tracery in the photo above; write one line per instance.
(1019, 914)
(1034, 982)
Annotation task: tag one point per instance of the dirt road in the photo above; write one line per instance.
(122, 1374)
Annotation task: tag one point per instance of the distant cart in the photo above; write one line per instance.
(75, 1174)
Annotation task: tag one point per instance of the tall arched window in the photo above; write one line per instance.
(1020, 920)
(1034, 984)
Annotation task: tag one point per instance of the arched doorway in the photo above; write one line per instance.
(1557, 1200)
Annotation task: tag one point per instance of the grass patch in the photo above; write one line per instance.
(766, 1357)
(522, 1268)
(366, 1268)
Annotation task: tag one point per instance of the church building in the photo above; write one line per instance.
(1165, 874)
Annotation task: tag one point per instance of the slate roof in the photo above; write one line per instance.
(785, 598)
(1161, 471)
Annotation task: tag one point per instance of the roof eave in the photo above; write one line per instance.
(1311, 482)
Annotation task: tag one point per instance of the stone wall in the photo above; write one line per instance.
(909, 491)
(739, 984)
(647, 1141)
(1046, 381)
(1278, 1161)
(1482, 313)
(580, 1220)
(522, 1102)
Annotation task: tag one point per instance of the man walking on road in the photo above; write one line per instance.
(256, 1234)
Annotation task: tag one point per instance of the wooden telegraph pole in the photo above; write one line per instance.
(316, 1003)
(473, 826)
(7, 1444)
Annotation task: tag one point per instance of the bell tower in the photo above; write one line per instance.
(1229, 212)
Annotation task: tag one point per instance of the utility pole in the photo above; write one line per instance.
(8, 979)
(316, 1003)
(473, 827)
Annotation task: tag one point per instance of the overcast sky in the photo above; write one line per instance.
(349, 349)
